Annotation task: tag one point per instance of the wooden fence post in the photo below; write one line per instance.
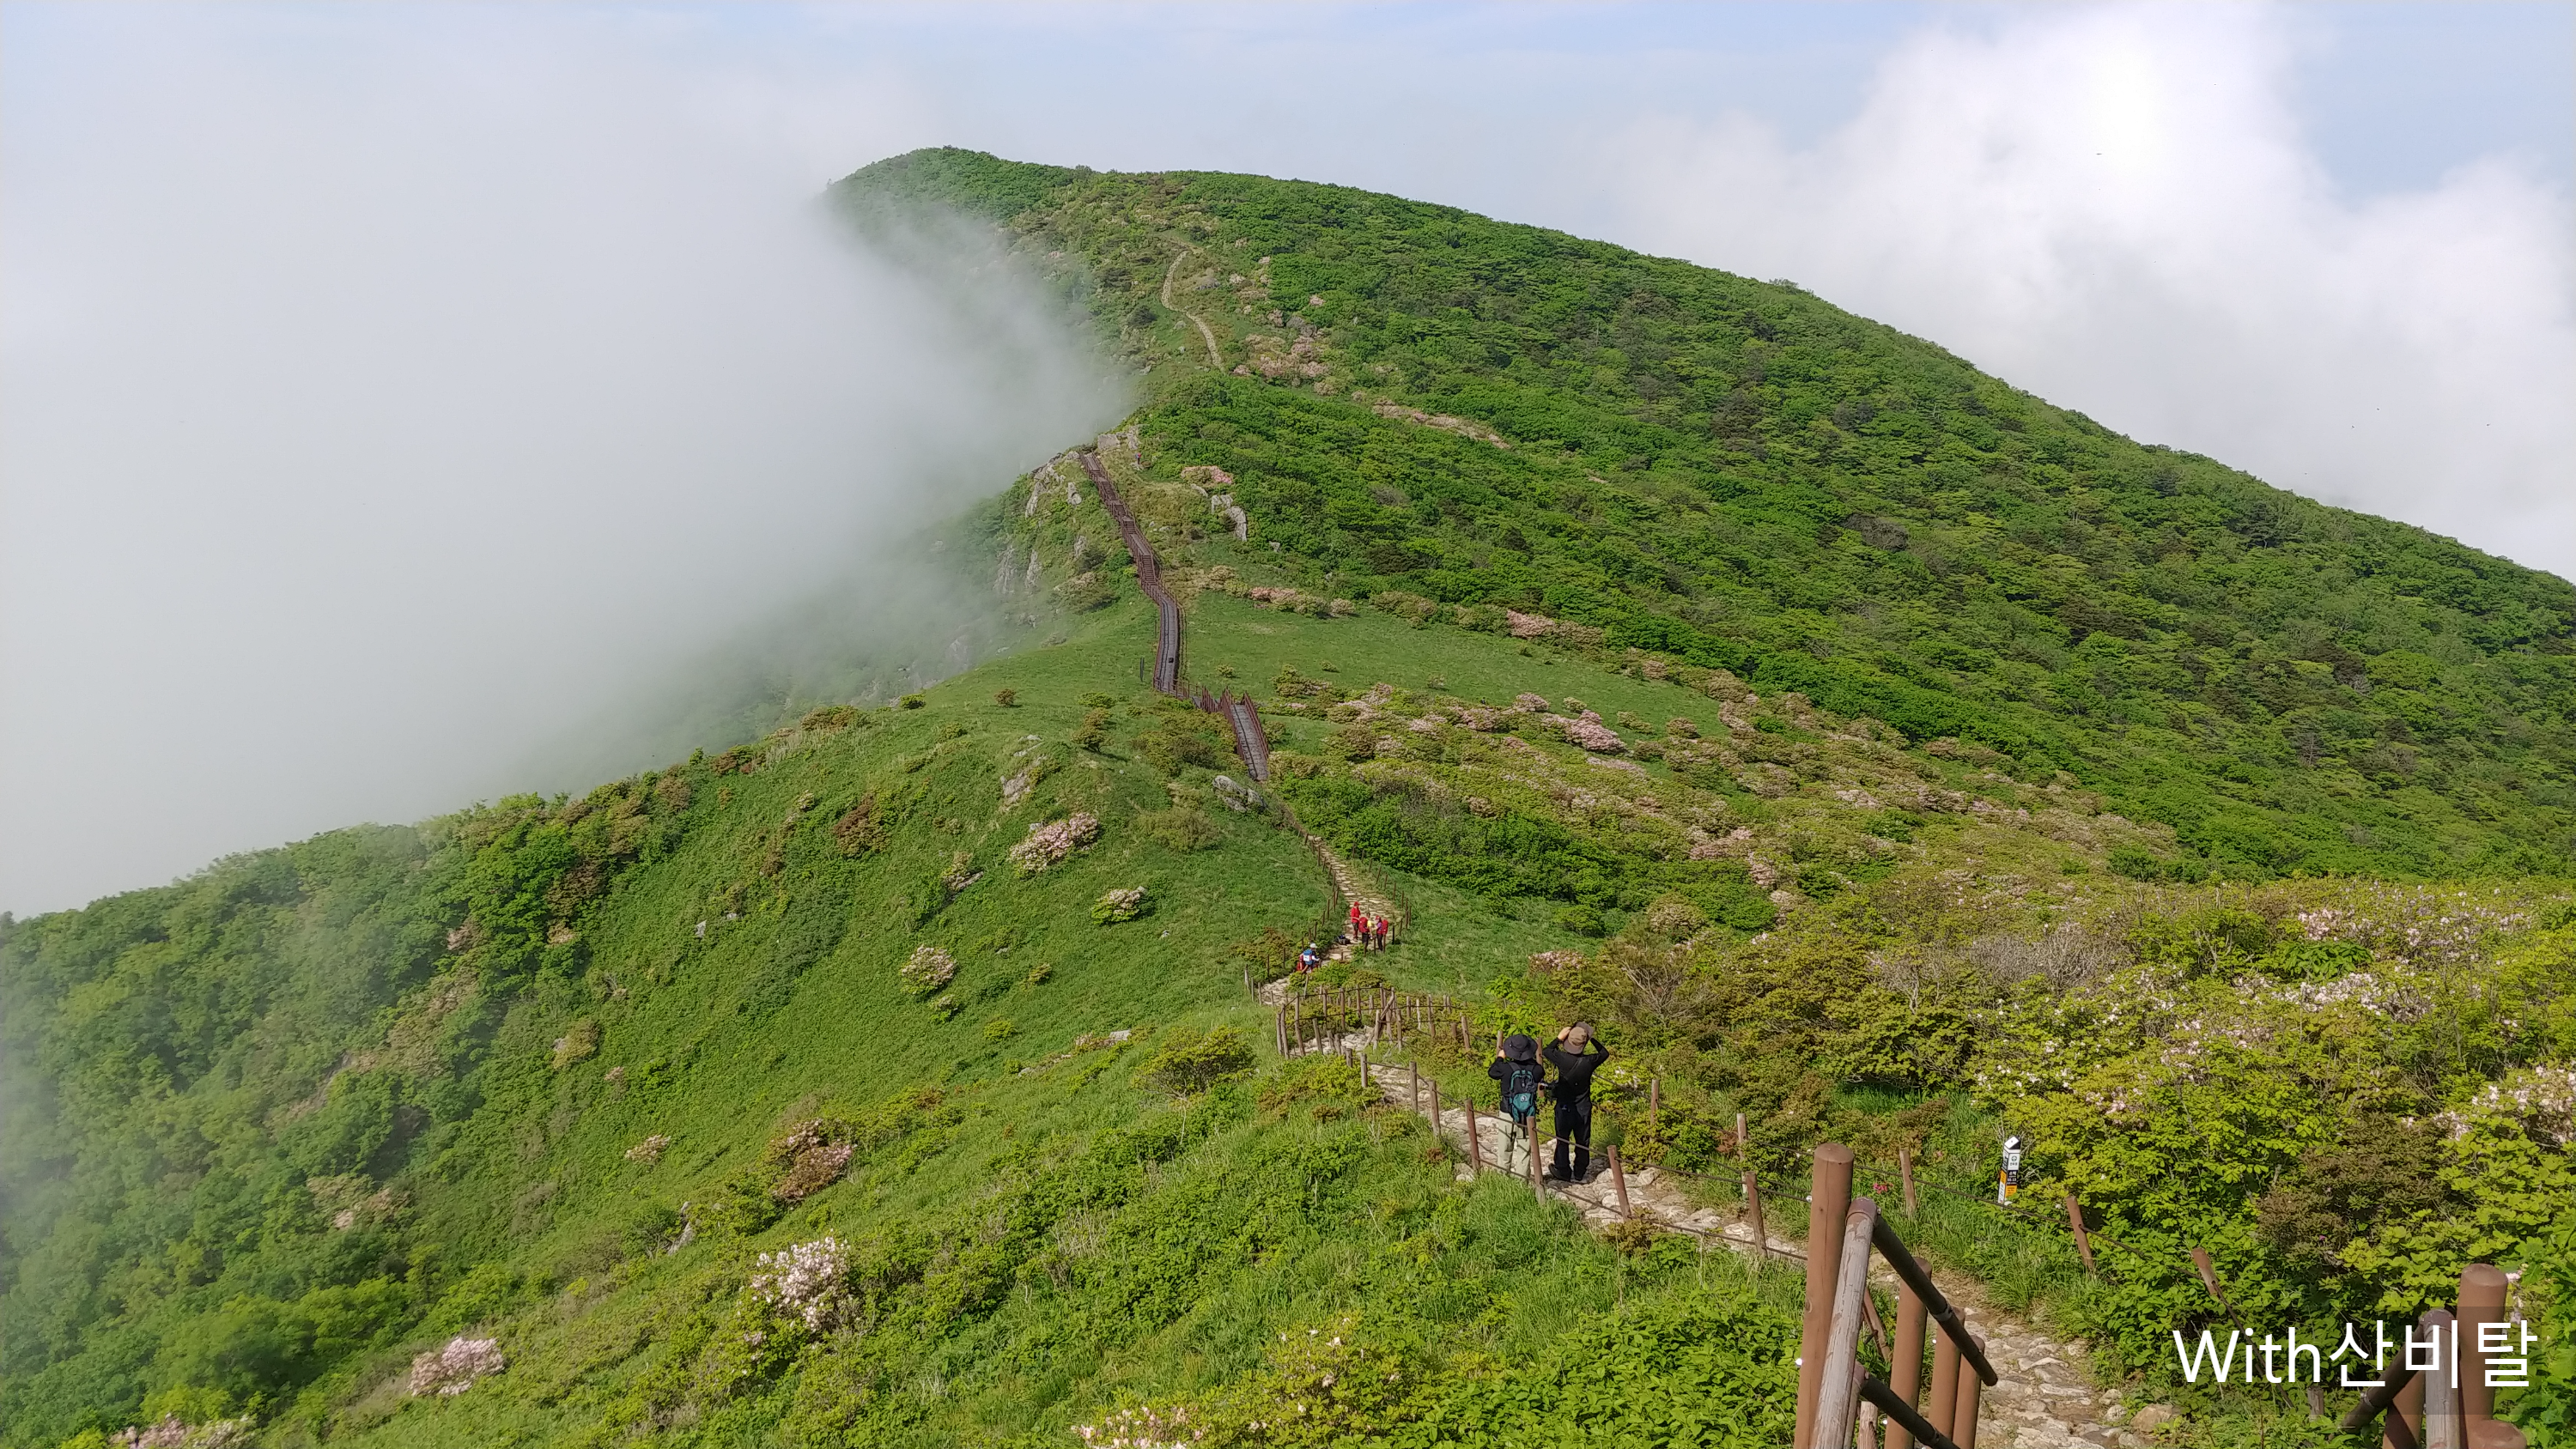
(1619, 1180)
(1529, 1138)
(1942, 1412)
(1654, 1102)
(1753, 1211)
(2481, 1301)
(2083, 1240)
(1905, 1173)
(1475, 1142)
(1963, 1416)
(2404, 1426)
(1413, 1073)
(1828, 1199)
(2209, 1279)
(1435, 1111)
(1905, 1361)
(1838, 1375)
(2440, 1393)
(1739, 1134)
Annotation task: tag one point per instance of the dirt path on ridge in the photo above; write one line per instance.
(1207, 334)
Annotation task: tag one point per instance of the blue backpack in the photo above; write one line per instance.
(1520, 1091)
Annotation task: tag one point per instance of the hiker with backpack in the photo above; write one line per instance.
(1576, 1056)
(1523, 1080)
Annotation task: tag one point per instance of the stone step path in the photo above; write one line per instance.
(2045, 1396)
(1354, 888)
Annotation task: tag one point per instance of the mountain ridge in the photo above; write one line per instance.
(1852, 755)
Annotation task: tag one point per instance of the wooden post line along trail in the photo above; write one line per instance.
(1831, 1383)
(1236, 709)
(1324, 1020)
(2450, 1404)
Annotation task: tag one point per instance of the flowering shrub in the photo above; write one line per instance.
(928, 969)
(1050, 841)
(805, 1282)
(1591, 734)
(453, 1369)
(1143, 1428)
(814, 1159)
(1123, 904)
(170, 1433)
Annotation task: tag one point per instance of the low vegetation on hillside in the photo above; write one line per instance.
(1870, 749)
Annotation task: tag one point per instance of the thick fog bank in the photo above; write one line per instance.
(373, 424)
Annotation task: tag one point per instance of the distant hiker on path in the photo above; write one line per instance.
(1576, 1056)
(1309, 959)
(1516, 1067)
(1359, 919)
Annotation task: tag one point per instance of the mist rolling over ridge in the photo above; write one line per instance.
(376, 450)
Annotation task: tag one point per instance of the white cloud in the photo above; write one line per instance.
(2116, 209)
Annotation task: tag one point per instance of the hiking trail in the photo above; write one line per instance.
(1207, 334)
(2045, 1397)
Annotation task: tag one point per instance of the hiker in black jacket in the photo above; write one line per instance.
(1576, 1056)
(1524, 1082)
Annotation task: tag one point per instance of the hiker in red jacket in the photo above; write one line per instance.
(1358, 917)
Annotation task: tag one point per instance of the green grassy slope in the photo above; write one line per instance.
(1740, 475)
(324, 1107)
(1969, 761)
